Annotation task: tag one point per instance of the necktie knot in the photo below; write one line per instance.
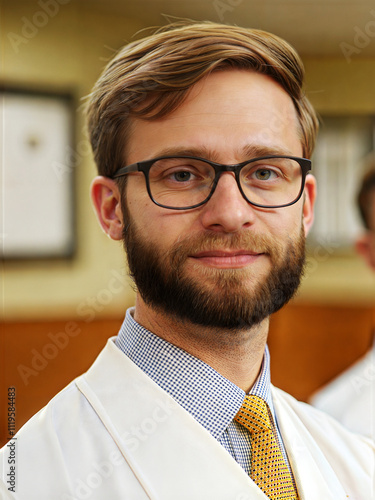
(253, 415)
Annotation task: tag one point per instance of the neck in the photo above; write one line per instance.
(237, 355)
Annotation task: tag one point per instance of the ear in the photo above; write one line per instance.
(106, 199)
(309, 202)
(366, 249)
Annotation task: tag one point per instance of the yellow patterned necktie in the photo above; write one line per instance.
(268, 468)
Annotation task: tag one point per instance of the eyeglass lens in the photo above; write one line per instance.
(185, 182)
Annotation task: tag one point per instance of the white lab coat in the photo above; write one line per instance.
(350, 397)
(113, 434)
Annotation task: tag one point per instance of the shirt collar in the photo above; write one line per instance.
(208, 396)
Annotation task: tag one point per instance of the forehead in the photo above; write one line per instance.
(225, 113)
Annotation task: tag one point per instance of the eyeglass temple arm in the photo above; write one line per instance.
(134, 167)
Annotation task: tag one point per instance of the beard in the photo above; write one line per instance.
(232, 299)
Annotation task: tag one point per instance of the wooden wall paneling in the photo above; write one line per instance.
(311, 344)
(41, 358)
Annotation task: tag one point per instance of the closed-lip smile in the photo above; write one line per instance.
(227, 259)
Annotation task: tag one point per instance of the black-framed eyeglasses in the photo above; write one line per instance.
(186, 182)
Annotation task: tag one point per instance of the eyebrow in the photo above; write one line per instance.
(247, 152)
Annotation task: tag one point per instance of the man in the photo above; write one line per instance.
(199, 134)
(350, 397)
(365, 244)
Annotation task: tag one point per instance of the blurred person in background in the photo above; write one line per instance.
(365, 244)
(350, 397)
(202, 135)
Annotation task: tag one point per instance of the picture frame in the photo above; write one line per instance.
(345, 144)
(37, 181)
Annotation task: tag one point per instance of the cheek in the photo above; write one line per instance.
(158, 226)
(139, 205)
(285, 223)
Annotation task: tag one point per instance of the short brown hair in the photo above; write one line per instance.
(149, 78)
(365, 198)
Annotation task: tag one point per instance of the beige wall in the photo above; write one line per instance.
(337, 87)
(68, 54)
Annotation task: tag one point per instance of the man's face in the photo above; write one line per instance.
(372, 230)
(365, 243)
(226, 263)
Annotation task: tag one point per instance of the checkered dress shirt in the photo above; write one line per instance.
(208, 396)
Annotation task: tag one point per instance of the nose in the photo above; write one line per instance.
(227, 210)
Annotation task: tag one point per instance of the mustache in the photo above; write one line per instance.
(245, 240)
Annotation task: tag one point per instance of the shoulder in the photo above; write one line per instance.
(52, 420)
(37, 445)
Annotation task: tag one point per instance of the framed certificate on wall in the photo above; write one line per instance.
(37, 175)
(344, 145)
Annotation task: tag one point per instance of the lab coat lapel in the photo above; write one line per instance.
(170, 453)
(314, 476)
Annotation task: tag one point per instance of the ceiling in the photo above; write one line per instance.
(314, 27)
